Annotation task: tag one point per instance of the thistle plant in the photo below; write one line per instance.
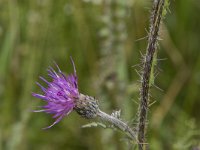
(62, 97)
(62, 94)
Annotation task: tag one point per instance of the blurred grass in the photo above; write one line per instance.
(101, 37)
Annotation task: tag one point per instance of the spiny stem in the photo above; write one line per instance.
(155, 19)
(118, 123)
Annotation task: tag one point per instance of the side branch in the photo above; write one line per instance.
(118, 123)
(155, 20)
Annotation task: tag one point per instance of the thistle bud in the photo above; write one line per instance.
(86, 106)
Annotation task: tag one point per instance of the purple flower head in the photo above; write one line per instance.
(60, 95)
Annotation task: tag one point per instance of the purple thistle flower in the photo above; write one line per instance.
(61, 94)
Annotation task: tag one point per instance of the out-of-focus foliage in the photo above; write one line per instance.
(102, 36)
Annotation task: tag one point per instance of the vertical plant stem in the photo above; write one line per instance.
(155, 20)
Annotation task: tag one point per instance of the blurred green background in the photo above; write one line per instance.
(105, 39)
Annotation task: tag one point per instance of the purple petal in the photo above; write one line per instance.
(55, 122)
(40, 96)
(43, 79)
(43, 89)
(57, 67)
(73, 65)
(42, 110)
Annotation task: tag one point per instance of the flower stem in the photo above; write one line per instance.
(118, 123)
(156, 15)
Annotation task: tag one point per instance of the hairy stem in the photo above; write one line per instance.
(155, 19)
(118, 123)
